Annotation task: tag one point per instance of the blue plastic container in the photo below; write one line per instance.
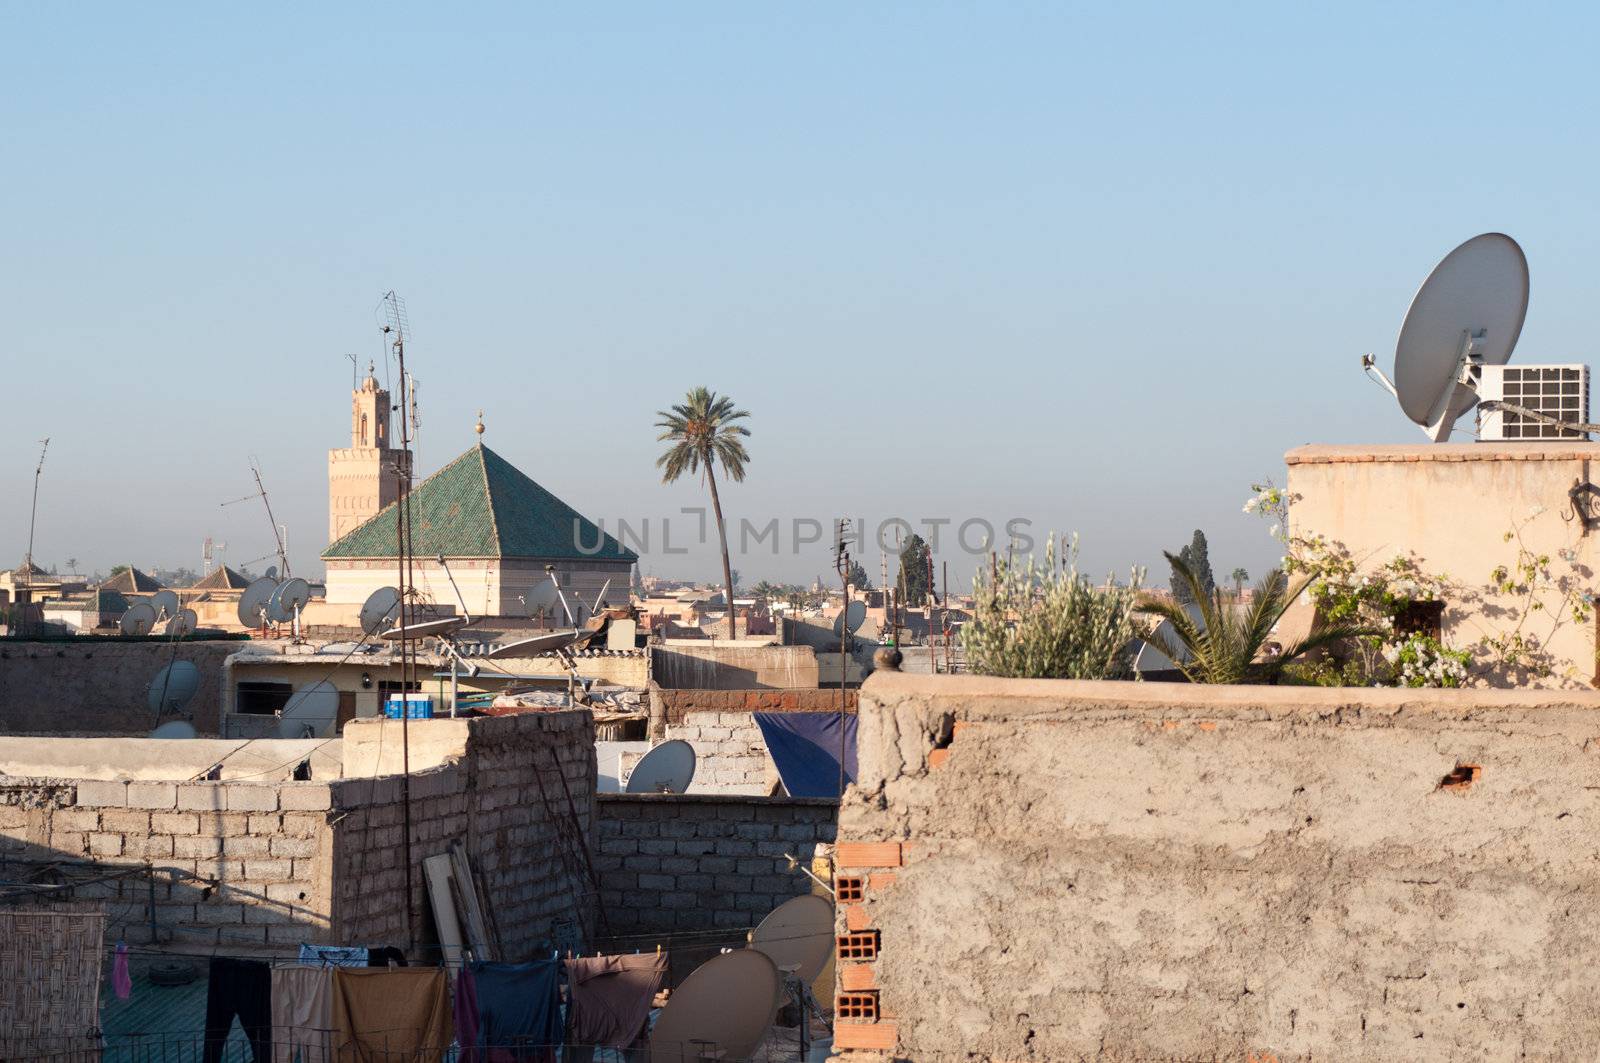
(414, 706)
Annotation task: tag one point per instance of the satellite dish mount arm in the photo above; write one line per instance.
(1469, 368)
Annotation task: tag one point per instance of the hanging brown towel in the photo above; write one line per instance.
(390, 1014)
(302, 1013)
(611, 997)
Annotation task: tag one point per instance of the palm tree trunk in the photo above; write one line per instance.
(722, 536)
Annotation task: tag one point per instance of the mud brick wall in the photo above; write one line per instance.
(1051, 870)
(687, 862)
(98, 686)
(238, 866)
(504, 798)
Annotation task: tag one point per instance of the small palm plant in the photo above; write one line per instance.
(1223, 643)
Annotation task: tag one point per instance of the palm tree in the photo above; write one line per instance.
(1240, 577)
(1222, 643)
(702, 432)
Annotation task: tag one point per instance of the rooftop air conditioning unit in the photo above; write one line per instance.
(1560, 391)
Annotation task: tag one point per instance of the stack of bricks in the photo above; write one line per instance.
(862, 872)
(729, 751)
(240, 865)
(688, 862)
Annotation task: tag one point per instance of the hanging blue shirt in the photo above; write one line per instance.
(519, 1004)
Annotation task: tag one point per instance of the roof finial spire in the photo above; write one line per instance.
(479, 428)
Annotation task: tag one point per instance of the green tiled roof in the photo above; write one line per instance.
(480, 505)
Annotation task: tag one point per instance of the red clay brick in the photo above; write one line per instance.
(880, 880)
(867, 854)
(855, 977)
(856, 918)
(867, 1036)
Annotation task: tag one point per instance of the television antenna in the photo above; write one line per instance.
(279, 532)
(1467, 314)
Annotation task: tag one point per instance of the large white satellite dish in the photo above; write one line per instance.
(287, 601)
(797, 933)
(1467, 314)
(173, 687)
(183, 623)
(311, 712)
(138, 620)
(254, 600)
(666, 769)
(853, 616)
(381, 609)
(426, 629)
(165, 603)
(726, 1005)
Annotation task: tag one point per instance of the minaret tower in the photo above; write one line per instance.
(365, 477)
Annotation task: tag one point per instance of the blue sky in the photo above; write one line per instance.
(1095, 268)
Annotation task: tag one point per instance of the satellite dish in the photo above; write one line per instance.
(175, 729)
(183, 624)
(544, 598)
(310, 713)
(1468, 313)
(287, 600)
(727, 1004)
(666, 769)
(165, 603)
(536, 645)
(426, 629)
(138, 620)
(272, 572)
(798, 933)
(854, 615)
(382, 607)
(254, 600)
(173, 687)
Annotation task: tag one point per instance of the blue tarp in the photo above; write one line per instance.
(805, 747)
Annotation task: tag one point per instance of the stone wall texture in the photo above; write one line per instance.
(1072, 870)
(675, 863)
(98, 686)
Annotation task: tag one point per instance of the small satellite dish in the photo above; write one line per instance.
(183, 624)
(854, 615)
(175, 729)
(727, 1004)
(138, 620)
(173, 687)
(165, 603)
(254, 600)
(666, 769)
(287, 600)
(426, 629)
(310, 713)
(797, 933)
(536, 645)
(1467, 314)
(544, 599)
(382, 607)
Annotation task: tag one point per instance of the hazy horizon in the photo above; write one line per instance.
(1095, 270)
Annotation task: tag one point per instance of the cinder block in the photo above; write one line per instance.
(85, 819)
(305, 847)
(311, 797)
(174, 822)
(657, 882)
(105, 844)
(196, 846)
(152, 795)
(244, 797)
(102, 794)
(203, 797)
(125, 822)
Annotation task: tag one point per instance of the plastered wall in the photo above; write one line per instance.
(1052, 870)
(99, 686)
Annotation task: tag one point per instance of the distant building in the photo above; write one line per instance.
(497, 528)
(131, 581)
(366, 476)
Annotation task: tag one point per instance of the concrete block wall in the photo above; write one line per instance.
(1048, 870)
(730, 754)
(237, 866)
(504, 798)
(98, 686)
(689, 863)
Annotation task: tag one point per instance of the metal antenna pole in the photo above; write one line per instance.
(33, 516)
